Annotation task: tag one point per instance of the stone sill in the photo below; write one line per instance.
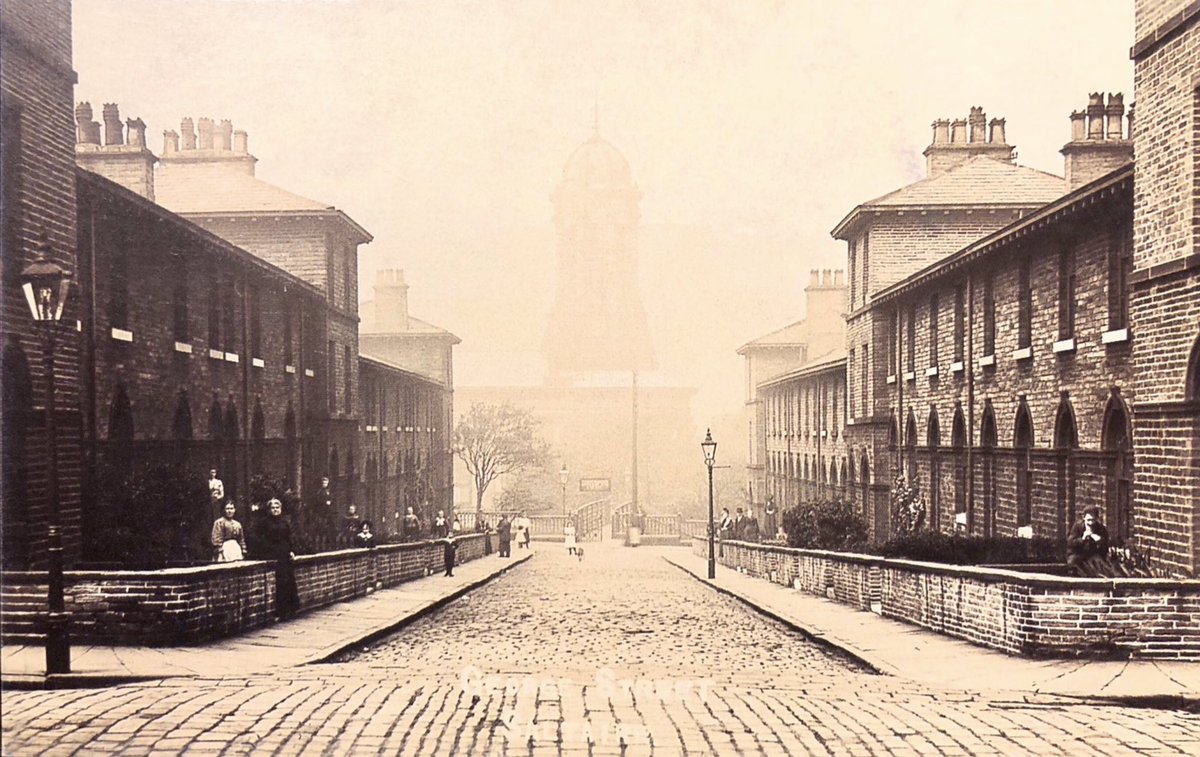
(216, 354)
(257, 362)
(231, 357)
(931, 372)
(1064, 345)
(309, 372)
(987, 361)
(956, 367)
(372, 429)
(122, 335)
(910, 376)
(891, 379)
(1115, 336)
(183, 347)
(289, 369)
(1022, 353)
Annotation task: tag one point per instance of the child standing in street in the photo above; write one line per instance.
(448, 555)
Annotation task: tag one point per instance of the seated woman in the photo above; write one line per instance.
(1087, 545)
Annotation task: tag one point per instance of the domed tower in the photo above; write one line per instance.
(598, 324)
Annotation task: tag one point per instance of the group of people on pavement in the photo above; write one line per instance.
(740, 527)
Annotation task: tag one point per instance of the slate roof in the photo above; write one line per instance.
(795, 334)
(216, 188)
(832, 359)
(980, 182)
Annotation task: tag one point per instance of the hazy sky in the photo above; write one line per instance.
(751, 127)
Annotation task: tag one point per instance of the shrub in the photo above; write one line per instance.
(908, 507)
(149, 517)
(832, 525)
(954, 549)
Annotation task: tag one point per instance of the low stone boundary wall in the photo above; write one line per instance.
(192, 605)
(1036, 615)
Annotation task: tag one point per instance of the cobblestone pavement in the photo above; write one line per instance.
(621, 654)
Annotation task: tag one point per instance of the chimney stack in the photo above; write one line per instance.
(113, 132)
(189, 134)
(170, 142)
(1129, 127)
(826, 310)
(391, 301)
(959, 140)
(126, 162)
(1100, 148)
(240, 141)
(205, 128)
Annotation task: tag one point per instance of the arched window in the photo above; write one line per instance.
(958, 442)
(864, 482)
(933, 440)
(232, 431)
(848, 480)
(290, 447)
(1193, 380)
(181, 427)
(258, 435)
(910, 449)
(1023, 445)
(1118, 445)
(17, 408)
(987, 448)
(893, 442)
(1066, 439)
(120, 432)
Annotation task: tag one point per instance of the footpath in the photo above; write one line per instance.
(909, 652)
(310, 637)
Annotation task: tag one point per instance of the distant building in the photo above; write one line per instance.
(598, 344)
(773, 366)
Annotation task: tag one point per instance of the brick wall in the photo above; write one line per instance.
(1165, 301)
(193, 605)
(1018, 613)
(36, 92)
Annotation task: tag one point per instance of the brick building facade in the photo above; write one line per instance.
(37, 215)
(1022, 346)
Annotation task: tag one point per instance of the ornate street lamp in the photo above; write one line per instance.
(562, 479)
(46, 284)
(710, 459)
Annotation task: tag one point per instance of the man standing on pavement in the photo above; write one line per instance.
(504, 536)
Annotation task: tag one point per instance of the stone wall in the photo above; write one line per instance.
(193, 605)
(1031, 614)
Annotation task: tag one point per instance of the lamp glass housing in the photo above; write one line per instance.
(710, 448)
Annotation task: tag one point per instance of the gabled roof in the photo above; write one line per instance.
(831, 360)
(793, 335)
(980, 182)
(218, 189)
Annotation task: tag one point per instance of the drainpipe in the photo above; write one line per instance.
(970, 368)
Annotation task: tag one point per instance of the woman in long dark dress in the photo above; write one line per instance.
(277, 545)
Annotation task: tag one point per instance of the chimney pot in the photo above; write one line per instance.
(240, 140)
(87, 131)
(170, 142)
(1095, 114)
(205, 128)
(113, 131)
(137, 132)
(1129, 126)
(941, 131)
(827, 278)
(1078, 126)
(224, 135)
(978, 125)
(814, 278)
(958, 131)
(837, 277)
(997, 131)
(188, 131)
(1114, 113)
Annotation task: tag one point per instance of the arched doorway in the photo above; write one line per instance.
(958, 445)
(882, 528)
(232, 431)
(910, 450)
(1023, 446)
(933, 440)
(987, 449)
(1118, 447)
(181, 427)
(1066, 440)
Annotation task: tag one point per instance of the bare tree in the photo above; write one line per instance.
(493, 440)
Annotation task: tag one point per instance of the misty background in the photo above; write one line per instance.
(751, 129)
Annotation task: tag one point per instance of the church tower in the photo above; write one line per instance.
(598, 324)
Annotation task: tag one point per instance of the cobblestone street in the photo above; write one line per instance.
(621, 653)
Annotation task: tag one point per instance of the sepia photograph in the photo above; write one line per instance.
(599, 377)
